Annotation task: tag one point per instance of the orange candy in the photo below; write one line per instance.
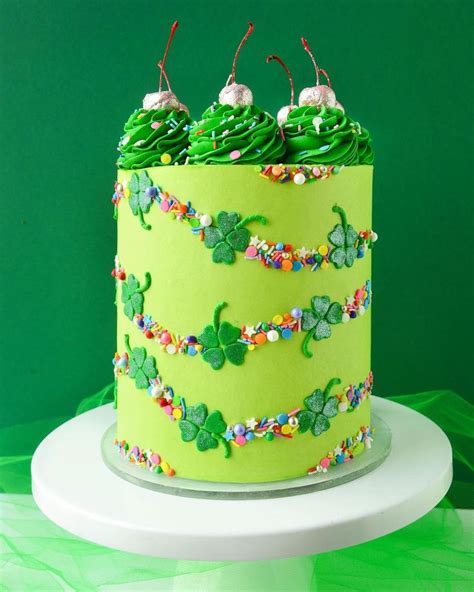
(286, 265)
(260, 338)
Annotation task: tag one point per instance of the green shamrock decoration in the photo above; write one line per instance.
(343, 237)
(140, 196)
(221, 342)
(320, 406)
(205, 428)
(140, 366)
(229, 236)
(318, 319)
(132, 295)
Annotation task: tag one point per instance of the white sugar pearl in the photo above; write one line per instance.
(206, 220)
(299, 179)
(345, 317)
(342, 407)
(361, 310)
(171, 349)
(272, 335)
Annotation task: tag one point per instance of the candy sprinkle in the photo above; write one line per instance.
(166, 158)
(234, 155)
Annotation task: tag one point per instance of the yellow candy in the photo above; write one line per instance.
(286, 429)
(251, 347)
(324, 265)
(277, 320)
(127, 192)
(177, 413)
(165, 158)
(165, 466)
(323, 250)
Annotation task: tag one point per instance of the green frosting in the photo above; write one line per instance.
(244, 130)
(340, 141)
(148, 134)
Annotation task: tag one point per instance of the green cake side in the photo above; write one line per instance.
(178, 285)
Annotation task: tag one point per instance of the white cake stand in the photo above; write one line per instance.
(74, 488)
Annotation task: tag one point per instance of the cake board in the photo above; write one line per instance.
(74, 488)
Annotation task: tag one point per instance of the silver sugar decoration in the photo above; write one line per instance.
(236, 94)
(164, 99)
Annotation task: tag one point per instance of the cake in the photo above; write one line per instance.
(243, 276)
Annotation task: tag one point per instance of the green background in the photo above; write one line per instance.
(73, 71)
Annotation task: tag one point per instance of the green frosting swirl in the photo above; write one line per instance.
(148, 134)
(250, 134)
(340, 141)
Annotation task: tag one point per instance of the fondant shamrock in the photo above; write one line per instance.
(132, 295)
(221, 342)
(141, 196)
(320, 406)
(343, 237)
(229, 236)
(140, 366)
(318, 319)
(204, 428)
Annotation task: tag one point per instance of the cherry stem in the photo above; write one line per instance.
(326, 75)
(241, 44)
(288, 73)
(160, 65)
(174, 26)
(307, 48)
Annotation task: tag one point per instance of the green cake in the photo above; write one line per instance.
(243, 276)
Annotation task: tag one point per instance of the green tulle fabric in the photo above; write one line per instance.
(431, 554)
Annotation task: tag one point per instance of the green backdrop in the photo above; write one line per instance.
(73, 71)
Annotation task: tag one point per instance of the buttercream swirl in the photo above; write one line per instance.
(151, 134)
(325, 136)
(235, 135)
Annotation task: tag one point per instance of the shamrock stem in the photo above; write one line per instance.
(337, 210)
(127, 344)
(115, 393)
(115, 212)
(147, 283)
(142, 220)
(304, 346)
(251, 218)
(217, 314)
(224, 443)
(329, 386)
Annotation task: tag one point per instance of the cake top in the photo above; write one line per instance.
(235, 131)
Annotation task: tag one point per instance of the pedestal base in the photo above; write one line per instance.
(74, 488)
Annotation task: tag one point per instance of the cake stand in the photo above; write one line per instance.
(74, 488)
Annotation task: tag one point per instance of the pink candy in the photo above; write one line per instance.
(155, 124)
(165, 206)
(251, 252)
(325, 463)
(165, 338)
(240, 440)
(155, 459)
(234, 155)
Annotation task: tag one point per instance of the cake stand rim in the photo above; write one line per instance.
(92, 502)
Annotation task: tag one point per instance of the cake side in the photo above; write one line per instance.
(276, 376)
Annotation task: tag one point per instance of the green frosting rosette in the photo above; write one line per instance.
(325, 136)
(240, 134)
(154, 137)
